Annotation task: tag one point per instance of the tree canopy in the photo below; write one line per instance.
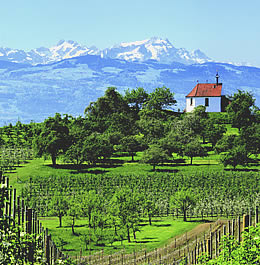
(54, 137)
(240, 109)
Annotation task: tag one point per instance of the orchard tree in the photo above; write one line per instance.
(154, 156)
(182, 200)
(151, 125)
(235, 156)
(194, 149)
(90, 202)
(97, 146)
(74, 212)
(160, 98)
(240, 109)
(130, 144)
(250, 135)
(79, 129)
(177, 138)
(200, 121)
(76, 153)
(54, 138)
(227, 142)
(127, 206)
(151, 208)
(59, 206)
(214, 132)
(110, 112)
(136, 98)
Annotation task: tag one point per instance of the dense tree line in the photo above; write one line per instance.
(141, 121)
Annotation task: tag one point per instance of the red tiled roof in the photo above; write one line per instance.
(206, 90)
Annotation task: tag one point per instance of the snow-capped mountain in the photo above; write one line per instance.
(154, 49)
(157, 49)
(42, 55)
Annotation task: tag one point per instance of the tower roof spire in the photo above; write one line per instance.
(217, 77)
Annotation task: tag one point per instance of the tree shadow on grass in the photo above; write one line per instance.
(178, 161)
(76, 169)
(242, 169)
(142, 225)
(167, 170)
(162, 225)
(149, 238)
(156, 220)
(201, 221)
(193, 165)
(146, 241)
(95, 172)
(69, 249)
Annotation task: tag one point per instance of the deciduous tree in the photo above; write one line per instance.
(54, 138)
(160, 98)
(240, 109)
(59, 206)
(154, 156)
(194, 149)
(182, 200)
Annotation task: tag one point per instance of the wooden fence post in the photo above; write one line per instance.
(18, 210)
(250, 217)
(29, 221)
(195, 254)
(219, 238)
(245, 222)
(256, 215)
(14, 206)
(233, 227)
(238, 230)
(29, 231)
(47, 247)
(229, 228)
(216, 243)
(10, 204)
(22, 212)
(208, 248)
(224, 230)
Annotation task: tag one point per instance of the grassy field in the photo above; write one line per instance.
(150, 237)
(117, 165)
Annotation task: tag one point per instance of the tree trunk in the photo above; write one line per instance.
(184, 216)
(115, 230)
(132, 157)
(60, 217)
(134, 235)
(150, 219)
(191, 160)
(89, 220)
(128, 234)
(153, 167)
(53, 159)
(72, 226)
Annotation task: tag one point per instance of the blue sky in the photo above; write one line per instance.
(226, 30)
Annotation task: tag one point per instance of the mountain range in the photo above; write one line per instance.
(155, 48)
(66, 78)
